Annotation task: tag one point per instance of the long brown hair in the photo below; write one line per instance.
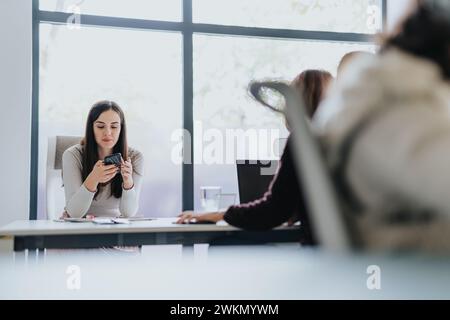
(312, 84)
(425, 33)
(90, 150)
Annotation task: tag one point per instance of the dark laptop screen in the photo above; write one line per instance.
(254, 178)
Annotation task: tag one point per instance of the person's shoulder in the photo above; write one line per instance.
(361, 67)
(73, 156)
(137, 159)
(134, 154)
(75, 151)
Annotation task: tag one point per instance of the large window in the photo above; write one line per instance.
(79, 67)
(221, 102)
(180, 64)
(168, 10)
(358, 16)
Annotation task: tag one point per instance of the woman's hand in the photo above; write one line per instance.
(190, 216)
(293, 220)
(126, 170)
(103, 173)
(100, 174)
(64, 215)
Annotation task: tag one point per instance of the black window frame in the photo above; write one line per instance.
(187, 29)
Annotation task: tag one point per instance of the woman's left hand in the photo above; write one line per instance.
(126, 170)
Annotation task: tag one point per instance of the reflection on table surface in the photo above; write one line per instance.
(282, 271)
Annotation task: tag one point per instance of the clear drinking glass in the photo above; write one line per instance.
(210, 198)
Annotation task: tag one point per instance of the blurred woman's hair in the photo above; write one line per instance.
(312, 85)
(425, 33)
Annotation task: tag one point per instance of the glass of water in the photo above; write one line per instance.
(210, 198)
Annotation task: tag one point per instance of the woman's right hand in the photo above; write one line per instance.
(103, 173)
(100, 174)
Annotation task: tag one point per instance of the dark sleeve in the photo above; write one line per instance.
(278, 204)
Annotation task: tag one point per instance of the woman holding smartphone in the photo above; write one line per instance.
(93, 187)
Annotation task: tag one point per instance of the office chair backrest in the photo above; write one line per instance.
(54, 191)
(328, 222)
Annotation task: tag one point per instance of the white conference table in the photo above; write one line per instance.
(47, 234)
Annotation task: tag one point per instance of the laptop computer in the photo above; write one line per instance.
(254, 177)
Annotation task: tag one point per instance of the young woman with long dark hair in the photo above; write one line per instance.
(92, 187)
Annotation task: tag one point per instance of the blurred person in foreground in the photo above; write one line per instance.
(388, 138)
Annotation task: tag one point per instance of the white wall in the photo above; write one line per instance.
(15, 108)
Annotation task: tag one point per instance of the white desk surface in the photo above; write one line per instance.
(232, 272)
(48, 227)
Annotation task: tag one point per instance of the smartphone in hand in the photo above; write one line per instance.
(115, 159)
